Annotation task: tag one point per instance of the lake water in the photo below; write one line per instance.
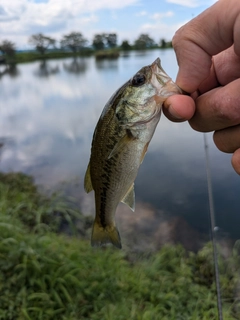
(48, 112)
(47, 116)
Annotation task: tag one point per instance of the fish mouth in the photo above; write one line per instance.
(162, 82)
(157, 62)
(162, 76)
(158, 71)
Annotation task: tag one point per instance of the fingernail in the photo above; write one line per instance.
(173, 112)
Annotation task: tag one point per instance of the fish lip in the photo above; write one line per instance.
(162, 82)
(157, 62)
(157, 69)
(161, 74)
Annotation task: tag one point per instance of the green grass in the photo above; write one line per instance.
(47, 275)
(21, 57)
(107, 54)
(20, 199)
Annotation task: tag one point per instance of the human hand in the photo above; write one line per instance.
(208, 54)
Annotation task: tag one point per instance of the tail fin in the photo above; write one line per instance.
(101, 236)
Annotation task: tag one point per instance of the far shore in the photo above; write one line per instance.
(29, 56)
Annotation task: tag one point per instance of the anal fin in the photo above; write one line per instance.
(87, 180)
(129, 198)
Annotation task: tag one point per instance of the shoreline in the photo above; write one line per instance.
(30, 56)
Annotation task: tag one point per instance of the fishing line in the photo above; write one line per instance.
(213, 228)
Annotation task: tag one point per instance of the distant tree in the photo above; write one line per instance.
(163, 43)
(125, 45)
(99, 41)
(7, 48)
(111, 40)
(41, 42)
(73, 41)
(144, 42)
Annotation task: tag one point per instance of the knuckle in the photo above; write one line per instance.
(218, 138)
(177, 38)
(226, 109)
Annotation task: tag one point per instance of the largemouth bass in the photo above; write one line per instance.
(119, 144)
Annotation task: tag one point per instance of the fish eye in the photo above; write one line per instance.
(138, 80)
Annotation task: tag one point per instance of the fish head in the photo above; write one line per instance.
(144, 94)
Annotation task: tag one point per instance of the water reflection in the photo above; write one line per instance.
(150, 228)
(52, 127)
(125, 54)
(106, 64)
(141, 53)
(9, 69)
(45, 69)
(1, 146)
(75, 66)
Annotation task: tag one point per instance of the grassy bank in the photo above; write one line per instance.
(21, 57)
(48, 275)
(107, 54)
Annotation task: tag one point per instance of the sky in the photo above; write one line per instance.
(19, 19)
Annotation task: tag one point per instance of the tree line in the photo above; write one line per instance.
(75, 42)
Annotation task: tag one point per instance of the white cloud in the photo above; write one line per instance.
(155, 27)
(141, 13)
(192, 3)
(186, 3)
(89, 19)
(21, 18)
(159, 30)
(157, 16)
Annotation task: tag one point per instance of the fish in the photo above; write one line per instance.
(119, 144)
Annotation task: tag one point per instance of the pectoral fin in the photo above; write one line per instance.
(144, 152)
(87, 180)
(122, 143)
(129, 198)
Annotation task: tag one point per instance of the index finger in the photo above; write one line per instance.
(195, 43)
